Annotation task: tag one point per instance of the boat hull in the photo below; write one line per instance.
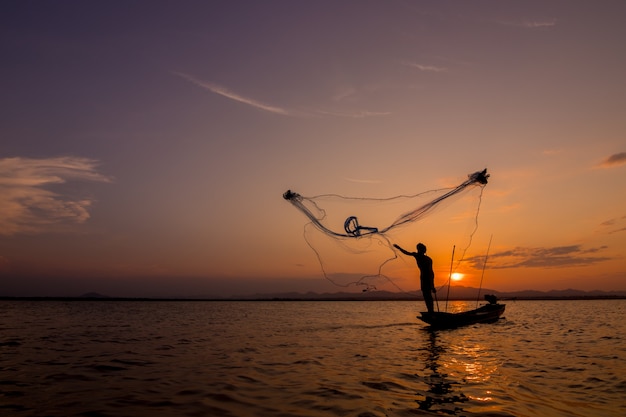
(489, 313)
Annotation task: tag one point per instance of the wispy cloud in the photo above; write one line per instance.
(225, 92)
(550, 152)
(353, 115)
(26, 206)
(427, 68)
(550, 257)
(346, 93)
(530, 24)
(539, 23)
(614, 225)
(222, 91)
(363, 181)
(613, 160)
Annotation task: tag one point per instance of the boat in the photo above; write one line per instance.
(489, 313)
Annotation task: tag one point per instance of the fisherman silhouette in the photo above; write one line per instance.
(427, 276)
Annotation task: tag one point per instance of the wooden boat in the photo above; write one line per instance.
(488, 313)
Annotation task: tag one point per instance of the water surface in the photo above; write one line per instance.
(123, 358)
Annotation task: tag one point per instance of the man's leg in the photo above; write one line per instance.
(428, 299)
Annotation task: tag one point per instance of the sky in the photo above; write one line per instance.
(145, 145)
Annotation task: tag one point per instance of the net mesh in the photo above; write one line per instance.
(352, 237)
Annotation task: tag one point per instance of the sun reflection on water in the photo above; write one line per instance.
(469, 361)
(455, 374)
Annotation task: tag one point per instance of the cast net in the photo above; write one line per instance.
(353, 237)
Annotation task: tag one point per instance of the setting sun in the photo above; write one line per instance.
(456, 276)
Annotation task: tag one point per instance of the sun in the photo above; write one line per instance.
(456, 276)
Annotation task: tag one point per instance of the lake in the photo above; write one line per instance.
(308, 358)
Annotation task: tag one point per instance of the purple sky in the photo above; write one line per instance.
(145, 145)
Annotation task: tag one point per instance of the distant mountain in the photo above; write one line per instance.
(562, 294)
(94, 295)
(455, 293)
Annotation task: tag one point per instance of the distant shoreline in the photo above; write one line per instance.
(348, 299)
(453, 293)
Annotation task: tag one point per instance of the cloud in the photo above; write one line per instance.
(363, 181)
(427, 68)
(347, 93)
(550, 152)
(26, 206)
(615, 225)
(538, 23)
(530, 24)
(613, 160)
(222, 91)
(353, 115)
(551, 257)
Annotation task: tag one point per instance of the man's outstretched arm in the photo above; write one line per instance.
(402, 250)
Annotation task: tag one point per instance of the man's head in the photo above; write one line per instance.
(421, 248)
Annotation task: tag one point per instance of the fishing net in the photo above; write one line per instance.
(353, 237)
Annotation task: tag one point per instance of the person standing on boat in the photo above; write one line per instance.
(427, 276)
